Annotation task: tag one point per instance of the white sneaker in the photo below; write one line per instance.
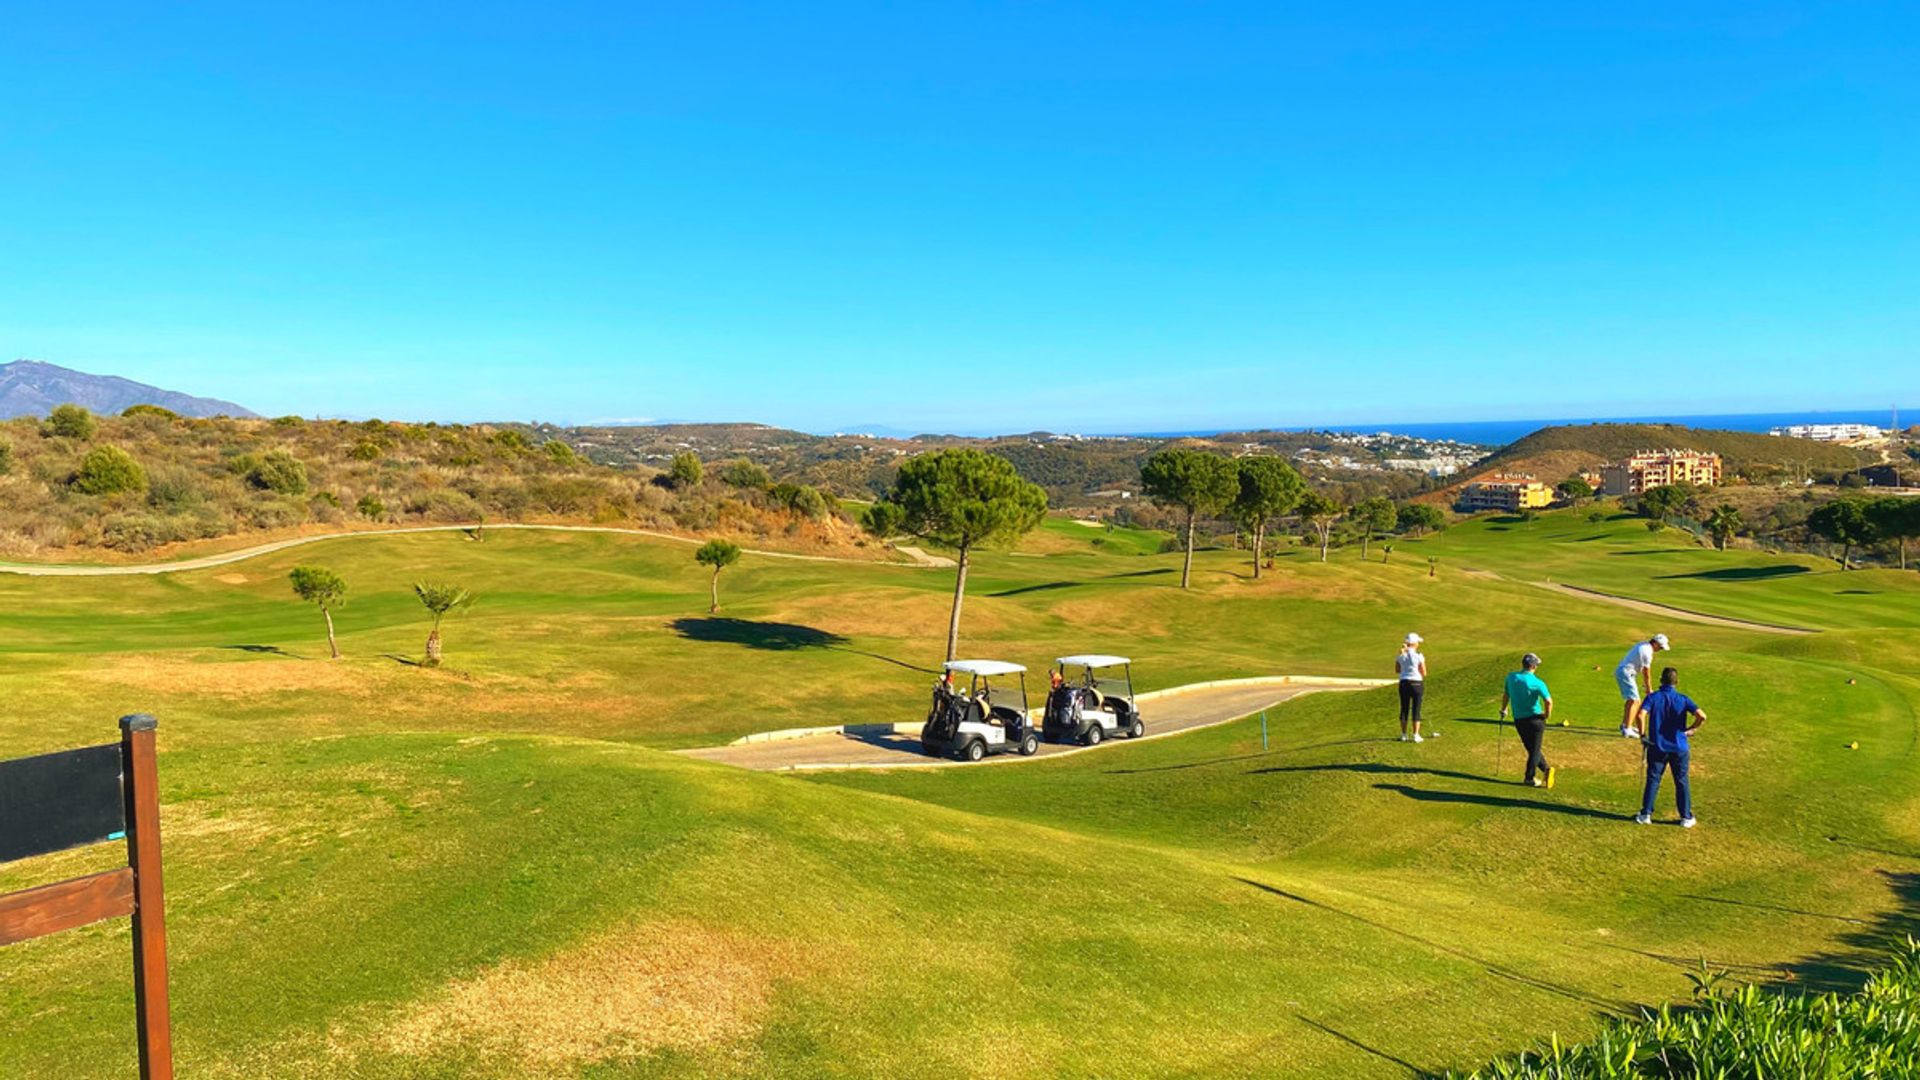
(1643, 819)
(1417, 738)
(1687, 823)
(1404, 737)
(1628, 733)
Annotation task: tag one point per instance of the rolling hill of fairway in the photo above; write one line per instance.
(493, 869)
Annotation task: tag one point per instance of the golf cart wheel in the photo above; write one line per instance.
(1030, 746)
(1094, 735)
(976, 750)
(1136, 729)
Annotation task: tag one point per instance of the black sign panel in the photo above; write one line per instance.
(59, 801)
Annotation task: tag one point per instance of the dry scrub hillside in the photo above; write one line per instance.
(148, 479)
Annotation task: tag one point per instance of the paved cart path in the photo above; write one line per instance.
(1670, 611)
(918, 557)
(1170, 715)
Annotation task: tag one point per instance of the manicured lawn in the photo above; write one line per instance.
(377, 870)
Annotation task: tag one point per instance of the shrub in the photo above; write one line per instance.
(70, 422)
(280, 472)
(276, 514)
(137, 532)
(288, 421)
(370, 506)
(743, 473)
(512, 441)
(366, 450)
(451, 507)
(1752, 1032)
(108, 470)
(685, 471)
(172, 489)
(144, 409)
(6, 457)
(560, 452)
(801, 499)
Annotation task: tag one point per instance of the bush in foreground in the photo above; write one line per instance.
(1752, 1034)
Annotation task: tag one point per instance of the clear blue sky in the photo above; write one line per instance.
(944, 216)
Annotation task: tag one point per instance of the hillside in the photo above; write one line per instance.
(1551, 453)
(33, 388)
(140, 482)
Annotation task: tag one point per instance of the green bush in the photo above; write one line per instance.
(371, 507)
(366, 450)
(742, 473)
(801, 499)
(685, 471)
(137, 532)
(560, 452)
(280, 472)
(108, 470)
(1751, 1033)
(70, 422)
(143, 409)
(172, 489)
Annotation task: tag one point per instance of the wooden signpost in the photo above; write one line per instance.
(90, 796)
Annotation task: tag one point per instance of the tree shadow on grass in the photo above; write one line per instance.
(1492, 968)
(1739, 573)
(1862, 950)
(1358, 1045)
(1503, 802)
(1611, 731)
(1052, 585)
(273, 650)
(1243, 757)
(776, 637)
(1376, 768)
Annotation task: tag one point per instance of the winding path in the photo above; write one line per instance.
(1167, 712)
(1652, 608)
(917, 557)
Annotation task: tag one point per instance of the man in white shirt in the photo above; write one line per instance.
(1635, 676)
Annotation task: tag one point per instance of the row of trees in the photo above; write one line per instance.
(327, 590)
(1858, 523)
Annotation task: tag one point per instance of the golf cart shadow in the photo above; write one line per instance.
(777, 637)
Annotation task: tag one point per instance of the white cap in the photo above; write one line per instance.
(1414, 639)
(1661, 640)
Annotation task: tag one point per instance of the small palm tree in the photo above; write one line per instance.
(1723, 523)
(718, 554)
(439, 599)
(318, 585)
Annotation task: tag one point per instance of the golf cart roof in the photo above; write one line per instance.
(1093, 660)
(984, 667)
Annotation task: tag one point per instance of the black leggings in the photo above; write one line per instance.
(1412, 693)
(1533, 733)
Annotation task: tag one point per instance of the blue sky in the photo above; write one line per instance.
(969, 216)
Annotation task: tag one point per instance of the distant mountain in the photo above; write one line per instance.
(32, 388)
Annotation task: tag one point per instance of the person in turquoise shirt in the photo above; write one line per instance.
(1532, 704)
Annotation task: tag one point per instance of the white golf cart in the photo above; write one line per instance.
(982, 718)
(1082, 710)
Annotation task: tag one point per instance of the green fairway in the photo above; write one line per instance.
(497, 868)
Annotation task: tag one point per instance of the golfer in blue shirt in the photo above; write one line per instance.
(1668, 716)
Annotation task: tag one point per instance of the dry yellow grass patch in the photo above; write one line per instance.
(625, 993)
(236, 678)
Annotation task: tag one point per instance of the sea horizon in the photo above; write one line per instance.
(1502, 432)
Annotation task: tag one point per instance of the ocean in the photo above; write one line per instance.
(1502, 432)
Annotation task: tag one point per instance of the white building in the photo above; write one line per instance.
(1828, 432)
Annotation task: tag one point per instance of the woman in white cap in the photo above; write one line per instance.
(1635, 677)
(1411, 666)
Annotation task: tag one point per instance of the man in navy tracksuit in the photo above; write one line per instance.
(1669, 716)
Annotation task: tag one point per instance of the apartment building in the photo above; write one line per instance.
(1510, 494)
(1657, 468)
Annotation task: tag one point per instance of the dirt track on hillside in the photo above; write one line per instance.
(1652, 608)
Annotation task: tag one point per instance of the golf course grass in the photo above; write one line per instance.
(497, 869)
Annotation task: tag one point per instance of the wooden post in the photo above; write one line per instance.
(155, 1026)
